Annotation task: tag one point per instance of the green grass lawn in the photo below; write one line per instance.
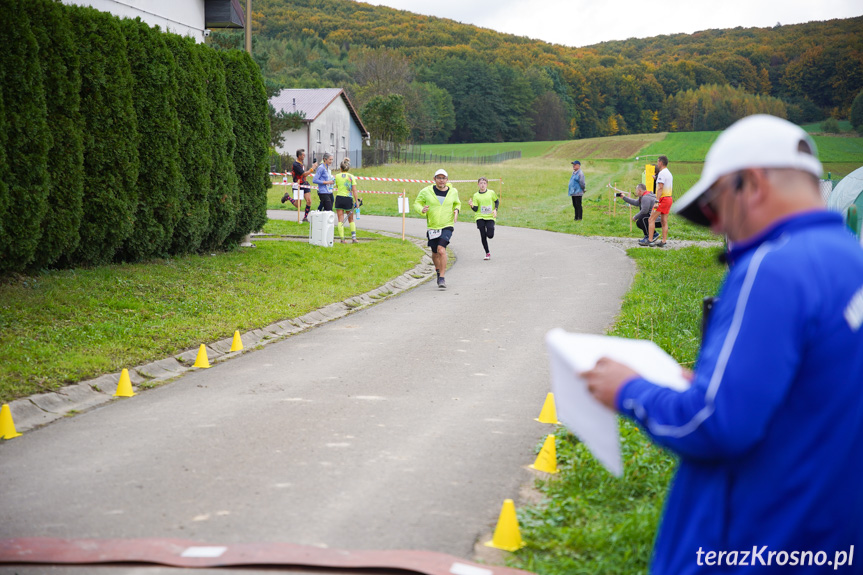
(681, 147)
(818, 127)
(66, 326)
(533, 194)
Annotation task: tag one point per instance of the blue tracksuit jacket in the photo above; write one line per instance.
(770, 435)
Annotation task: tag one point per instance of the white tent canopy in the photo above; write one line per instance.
(846, 192)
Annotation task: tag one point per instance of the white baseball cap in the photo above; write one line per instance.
(758, 141)
(441, 172)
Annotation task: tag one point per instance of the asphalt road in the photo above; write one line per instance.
(402, 426)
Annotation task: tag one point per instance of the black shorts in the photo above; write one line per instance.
(326, 202)
(345, 203)
(443, 240)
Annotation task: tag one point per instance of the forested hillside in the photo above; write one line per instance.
(461, 83)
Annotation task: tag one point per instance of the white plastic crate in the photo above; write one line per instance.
(322, 228)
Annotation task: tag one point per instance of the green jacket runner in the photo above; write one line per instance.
(441, 214)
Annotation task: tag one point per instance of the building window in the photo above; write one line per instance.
(343, 143)
(319, 136)
(332, 139)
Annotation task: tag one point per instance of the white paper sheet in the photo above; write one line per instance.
(404, 205)
(592, 422)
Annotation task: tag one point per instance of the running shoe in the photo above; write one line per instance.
(441, 283)
(487, 257)
(655, 235)
(643, 242)
(657, 245)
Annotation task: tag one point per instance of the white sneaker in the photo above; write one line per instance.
(487, 257)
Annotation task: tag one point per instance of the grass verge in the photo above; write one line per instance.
(592, 522)
(66, 326)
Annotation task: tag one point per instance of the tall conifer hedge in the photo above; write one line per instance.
(154, 74)
(121, 143)
(247, 99)
(58, 56)
(27, 140)
(110, 136)
(196, 141)
(224, 193)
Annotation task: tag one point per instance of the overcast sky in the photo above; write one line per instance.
(582, 23)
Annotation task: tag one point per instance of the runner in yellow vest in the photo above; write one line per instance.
(440, 205)
(346, 200)
(485, 203)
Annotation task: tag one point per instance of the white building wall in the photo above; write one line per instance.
(294, 141)
(334, 127)
(184, 17)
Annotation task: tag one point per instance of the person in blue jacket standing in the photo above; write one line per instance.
(576, 188)
(770, 433)
(325, 181)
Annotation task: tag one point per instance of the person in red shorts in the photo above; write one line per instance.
(664, 185)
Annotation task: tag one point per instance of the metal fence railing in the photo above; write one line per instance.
(377, 157)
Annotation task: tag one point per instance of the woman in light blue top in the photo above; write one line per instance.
(325, 180)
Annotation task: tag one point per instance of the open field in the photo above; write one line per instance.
(533, 194)
(818, 127)
(534, 187)
(528, 149)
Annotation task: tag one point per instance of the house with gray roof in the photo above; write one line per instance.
(331, 124)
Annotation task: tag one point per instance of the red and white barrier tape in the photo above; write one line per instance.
(394, 179)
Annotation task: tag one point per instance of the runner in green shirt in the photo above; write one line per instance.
(440, 205)
(346, 199)
(485, 203)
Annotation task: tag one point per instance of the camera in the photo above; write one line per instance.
(206, 33)
(618, 194)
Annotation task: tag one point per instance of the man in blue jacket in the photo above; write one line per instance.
(770, 434)
(576, 188)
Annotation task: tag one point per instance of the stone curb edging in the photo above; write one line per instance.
(41, 409)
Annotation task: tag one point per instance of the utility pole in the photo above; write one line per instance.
(249, 27)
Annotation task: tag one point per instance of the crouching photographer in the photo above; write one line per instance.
(644, 201)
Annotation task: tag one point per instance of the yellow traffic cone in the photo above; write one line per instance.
(124, 386)
(547, 459)
(201, 360)
(237, 344)
(548, 413)
(7, 426)
(506, 535)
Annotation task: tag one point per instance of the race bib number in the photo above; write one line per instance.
(486, 210)
(434, 234)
